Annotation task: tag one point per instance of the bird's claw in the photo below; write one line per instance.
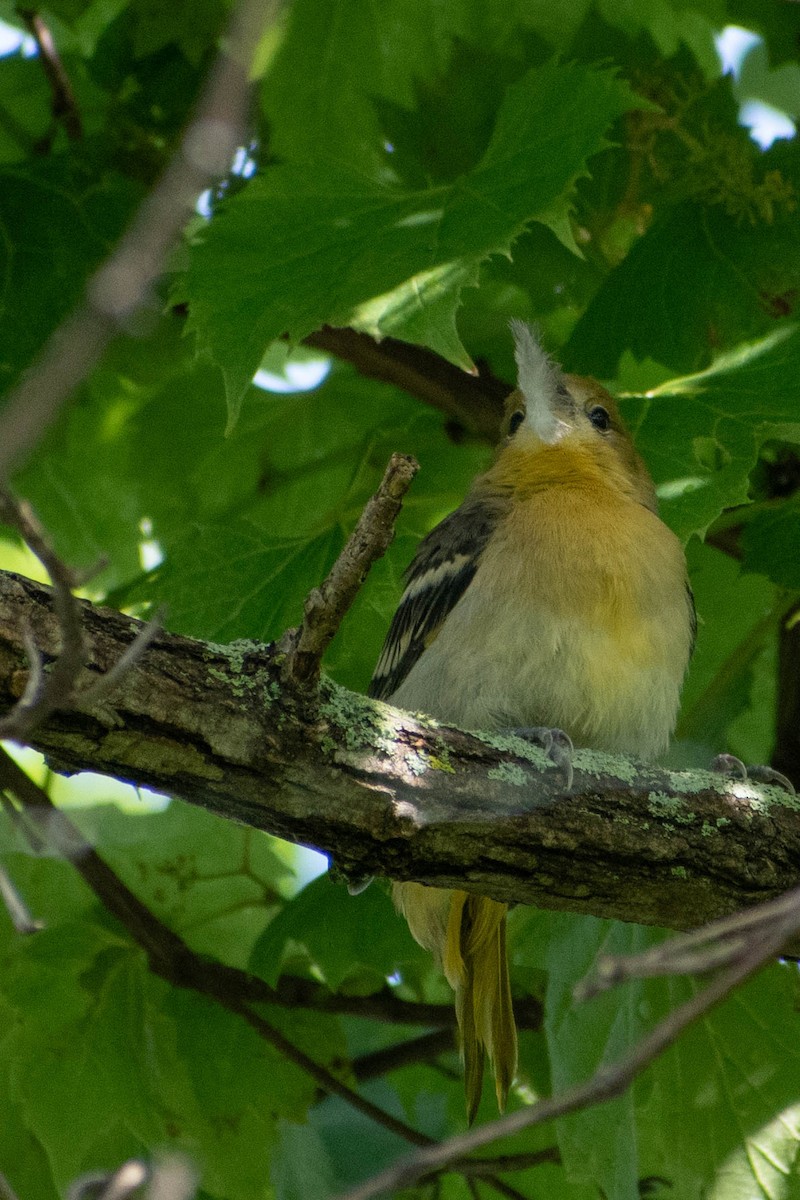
(556, 744)
(728, 764)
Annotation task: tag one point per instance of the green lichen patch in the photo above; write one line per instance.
(599, 764)
(511, 773)
(679, 872)
(661, 804)
(509, 743)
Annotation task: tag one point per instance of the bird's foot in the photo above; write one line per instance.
(728, 764)
(556, 744)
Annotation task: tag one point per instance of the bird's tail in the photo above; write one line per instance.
(476, 965)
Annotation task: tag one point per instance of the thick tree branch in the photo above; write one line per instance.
(384, 792)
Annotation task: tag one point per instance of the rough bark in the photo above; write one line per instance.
(389, 793)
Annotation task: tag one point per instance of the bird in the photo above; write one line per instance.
(555, 600)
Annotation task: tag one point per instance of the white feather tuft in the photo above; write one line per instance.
(539, 381)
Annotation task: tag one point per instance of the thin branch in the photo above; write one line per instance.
(326, 605)
(479, 1167)
(168, 954)
(402, 1054)
(64, 105)
(44, 693)
(123, 283)
(474, 402)
(607, 1083)
(40, 699)
(722, 943)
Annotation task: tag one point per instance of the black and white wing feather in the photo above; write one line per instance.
(440, 573)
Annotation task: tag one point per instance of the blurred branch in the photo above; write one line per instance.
(64, 105)
(123, 283)
(474, 402)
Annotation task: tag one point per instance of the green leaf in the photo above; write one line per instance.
(300, 1166)
(766, 538)
(701, 435)
(737, 620)
(720, 1108)
(342, 935)
(728, 277)
(228, 581)
(213, 882)
(55, 226)
(598, 1144)
(305, 245)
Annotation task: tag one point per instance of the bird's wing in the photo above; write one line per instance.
(440, 573)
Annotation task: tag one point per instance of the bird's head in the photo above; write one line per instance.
(566, 424)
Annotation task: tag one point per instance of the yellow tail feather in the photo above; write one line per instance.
(468, 936)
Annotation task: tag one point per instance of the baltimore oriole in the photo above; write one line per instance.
(552, 597)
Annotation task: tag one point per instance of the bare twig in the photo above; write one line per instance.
(474, 402)
(122, 285)
(721, 943)
(607, 1082)
(42, 697)
(44, 693)
(326, 606)
(64, 104)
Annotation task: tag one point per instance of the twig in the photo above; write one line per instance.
(721, 943)
(44, 693)
(168, 954)
(38, 701)
(607, 1082)
(326, 605)
(479, 1167)
(122, 284)
(401, 1054)
(473, 401)
(64, 104)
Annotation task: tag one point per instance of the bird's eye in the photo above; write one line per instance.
(599, 418)
(515, 422)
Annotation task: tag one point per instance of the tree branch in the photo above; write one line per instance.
(64, 105)
(326, 606)
(384, 792)
(474, 402)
